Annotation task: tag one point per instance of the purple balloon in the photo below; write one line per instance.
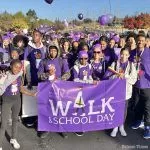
(103, 20)
(110, 17)
(80, 16)
(49, 1)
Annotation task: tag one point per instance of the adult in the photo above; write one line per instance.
(141, 57)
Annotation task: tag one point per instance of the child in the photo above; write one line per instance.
(82, 72)
(12, 102)
(124, 70)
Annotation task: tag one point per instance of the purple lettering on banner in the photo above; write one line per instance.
(65, 106)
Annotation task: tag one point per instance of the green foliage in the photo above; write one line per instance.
(31, 14)
(87, 20)
(59, 25)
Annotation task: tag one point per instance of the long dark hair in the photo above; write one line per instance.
(18, 38)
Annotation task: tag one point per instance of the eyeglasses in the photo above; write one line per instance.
(83, 58)
(95, 52)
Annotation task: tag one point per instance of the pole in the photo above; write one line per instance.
(110, 6)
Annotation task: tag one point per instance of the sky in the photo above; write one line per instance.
(69, 9)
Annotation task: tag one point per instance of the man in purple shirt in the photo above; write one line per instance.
(141, 57)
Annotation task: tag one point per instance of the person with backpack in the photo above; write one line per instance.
(123, 69)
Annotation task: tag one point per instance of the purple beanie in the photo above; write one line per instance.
(97, 46)
(83, 54)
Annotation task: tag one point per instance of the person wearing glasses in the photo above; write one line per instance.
(82, 71)
(98, 63)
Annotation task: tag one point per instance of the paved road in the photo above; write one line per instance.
(99, 140)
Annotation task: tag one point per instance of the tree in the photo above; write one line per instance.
(129, 22)
(76, 22)
(5, 21)
(31, 14)
(59, 25)
(141, 21)
(20, 21)
(87, 20)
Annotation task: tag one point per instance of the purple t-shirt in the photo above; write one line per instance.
(98, 70)
(60, 65)
(14, 88)
(80, 73)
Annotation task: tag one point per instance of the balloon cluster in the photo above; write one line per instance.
(105, 19)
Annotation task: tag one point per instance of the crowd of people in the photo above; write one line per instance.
(26, 60)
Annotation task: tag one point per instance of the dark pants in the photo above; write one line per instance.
(126, 110)
(10, 104)
(142, 108)
(134, 99)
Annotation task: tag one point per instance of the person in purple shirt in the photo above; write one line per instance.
(35, 44)
(66, 53)
(109, 54)
(111, 43)
(131, 41)
(123, 69)
(51, 68)
(61, 65)
(12, 103)
(141, 57)
(14, 55)
(20, 42)
(98, 63)
(35, 57)
(82, 71)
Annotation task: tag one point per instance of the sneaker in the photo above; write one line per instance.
(14, 143)
(42, 134)
(114, 132)
(147, 132)
(64, 135)
(79, 133)
(137, 125)
(142, 125)
(29, 122)
(122, 130)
